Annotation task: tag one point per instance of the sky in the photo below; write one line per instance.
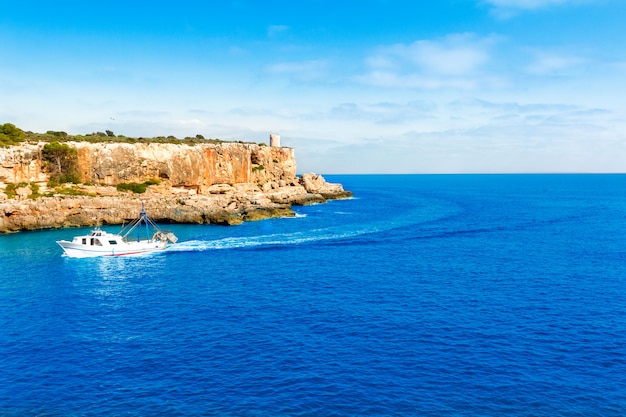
(367, 86)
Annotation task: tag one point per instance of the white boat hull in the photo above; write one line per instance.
(101, 243)
(77, 250)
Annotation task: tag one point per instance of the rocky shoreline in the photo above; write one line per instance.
(223, 204)
(217, 183)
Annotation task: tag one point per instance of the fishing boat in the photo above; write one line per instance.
(146, 237)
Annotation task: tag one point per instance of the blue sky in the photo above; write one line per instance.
(368, 86)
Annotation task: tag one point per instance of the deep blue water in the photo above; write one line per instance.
(425, 295)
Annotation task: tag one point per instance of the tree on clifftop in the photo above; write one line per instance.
(10, 134)
(62, 163)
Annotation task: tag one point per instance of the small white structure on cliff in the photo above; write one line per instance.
(275, 140)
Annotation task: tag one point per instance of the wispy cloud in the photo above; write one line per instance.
(620, 65)
(508, 8)
(550, 63)
(385, 113)
(299, 70)
(512, 136)
(527, 4)
(505, 112)
(248, 111)
(276, 30)
(456, 60)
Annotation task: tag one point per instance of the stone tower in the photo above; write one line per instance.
(275, 140)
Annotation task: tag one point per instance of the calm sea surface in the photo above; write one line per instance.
(425, 295)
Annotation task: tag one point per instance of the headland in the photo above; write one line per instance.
(76, 183)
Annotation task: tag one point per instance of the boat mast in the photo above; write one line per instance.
(143, 217)
(150, 225)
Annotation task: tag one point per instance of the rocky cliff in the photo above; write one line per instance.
(197, 166)
(224, 183)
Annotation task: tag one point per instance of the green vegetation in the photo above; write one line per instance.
(110, 137)
(132, 186)
(34, 190)
(70, 191)
(62, 162)
(10, 135)
(11, 189)
(137, 188)
(258, 168)
(153, 181)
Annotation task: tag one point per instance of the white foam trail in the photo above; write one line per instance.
(279, 239)
(418, 215)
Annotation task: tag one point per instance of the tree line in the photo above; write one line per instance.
(13, 135)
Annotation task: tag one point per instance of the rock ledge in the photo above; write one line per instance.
(223, 204)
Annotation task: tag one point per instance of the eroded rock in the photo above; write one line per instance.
(207, 183)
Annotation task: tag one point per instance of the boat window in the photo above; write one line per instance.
(84, 241)
(97, 242)
(112, 242)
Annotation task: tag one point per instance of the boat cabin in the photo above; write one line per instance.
(97, 238)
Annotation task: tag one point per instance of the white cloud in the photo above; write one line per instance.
(385, 113)
(456, 61)
(276, 30)
(190, 122)
(526, 4)
(300, 70)
(550, 63)
(505, 9)
(419, 81)
(455, 55)
(490, 137)
(470, 135)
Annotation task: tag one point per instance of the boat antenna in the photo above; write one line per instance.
(143, 217)
(142, 213)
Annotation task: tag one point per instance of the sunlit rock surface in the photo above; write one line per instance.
(224, 183)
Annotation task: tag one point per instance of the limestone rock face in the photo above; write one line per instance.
(316, 184)
(224, 183)
(196, 166)
(21, 164)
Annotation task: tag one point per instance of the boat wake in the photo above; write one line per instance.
(268, 241)
(420, 214)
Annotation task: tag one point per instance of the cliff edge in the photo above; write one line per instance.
(219, 183)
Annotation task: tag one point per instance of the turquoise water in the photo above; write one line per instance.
(425, 295)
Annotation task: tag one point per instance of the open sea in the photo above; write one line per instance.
(424, 295)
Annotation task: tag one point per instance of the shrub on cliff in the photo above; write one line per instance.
(61, 160)
(34, 191)
(56, 136)
(11, 189)
(10, 134)
(137, 188)
(132, 186)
